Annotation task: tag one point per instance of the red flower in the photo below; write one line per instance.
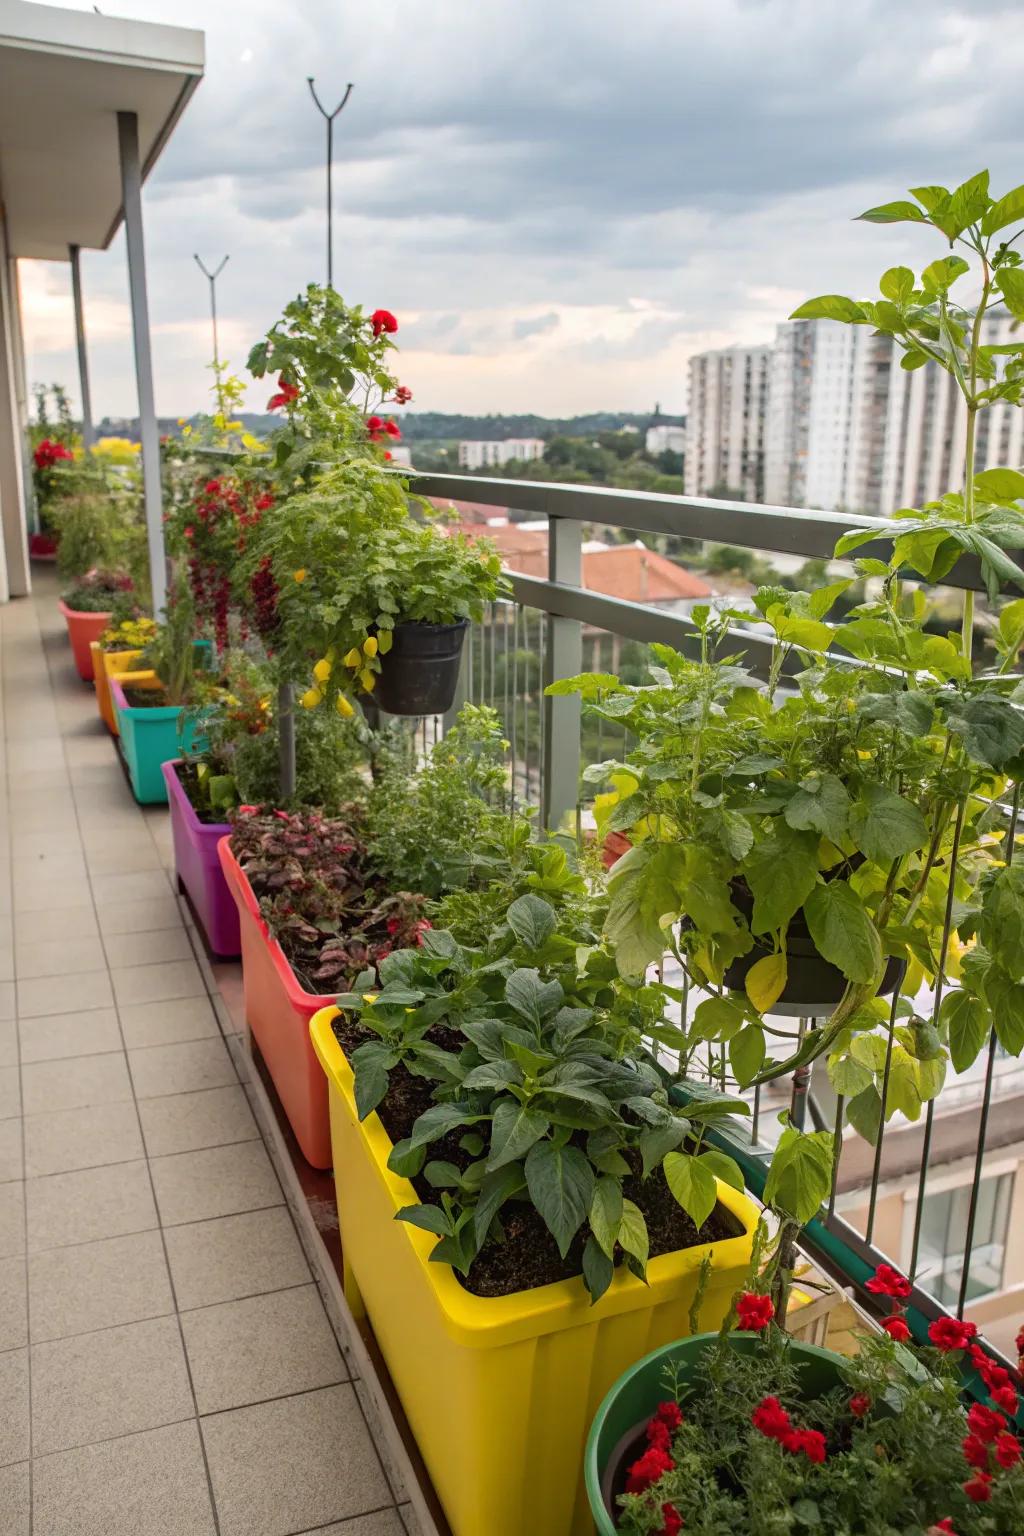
(669, 1413)
(383, 320)
(387, 454)
(1007, 1449)
(941, 1528)
(896, 1328)
(1006, 1399)
(979, 1489)
(653, 1464)
(189, 531)
(392, 429)
(402, 395)
(673, 1520)
(985, 1422)
(948, 1333)
(810, 1441)
(860, 1405)
(771, 1419)
(658, 1434)
(887, 1281)
(754, 1312)
(992, 1375)
(48, 453)
(375, 427)
(975, 1452)
(1020, 1342)
(288, 393)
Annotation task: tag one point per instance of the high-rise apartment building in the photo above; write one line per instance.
(478, 453)
(725, 427)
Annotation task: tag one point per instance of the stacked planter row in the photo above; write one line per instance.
(151, 735)
(199, 867)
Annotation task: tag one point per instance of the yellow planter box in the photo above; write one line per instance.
(105, 665)
(500, 1393)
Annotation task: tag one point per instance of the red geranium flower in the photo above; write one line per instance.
(754, 1312)
(887, 1281)
(383, 320)
(896, 1328)
(402, 395)
(669, 1413)
(979, 1489)
(860, 1404)
(1005, 1398)
(287, 393)
(975, 1452)
(771, 1419)
(651, 1465)
(948, 1333)
(810, 1441)
(985, 1422)
(992, 1375)
(48, 452)
(941, 1528)
(375, 427)
(658, 1434)
(1007, 1449)
(673, 1520)
(392, 429)
(388, 454)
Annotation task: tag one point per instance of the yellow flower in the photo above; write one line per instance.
(300, 574)
(343, 707)
(370, 647)
(311, 698)
(322, 670)
(368, 679)
(353, 659)
(370, 997)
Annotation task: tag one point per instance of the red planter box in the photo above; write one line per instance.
(278, 1012)
(83, 629)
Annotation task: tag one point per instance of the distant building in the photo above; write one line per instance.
(483, 454)
(664, 438)
(726, 420)
(402, 457)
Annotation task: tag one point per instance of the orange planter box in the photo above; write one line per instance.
(105, 665)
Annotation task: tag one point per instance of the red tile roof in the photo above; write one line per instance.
(629, 571)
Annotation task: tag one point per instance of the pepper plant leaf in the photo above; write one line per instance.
(692, 1182)
(800, 1175)
(843, 931)
(561, 1185)
(885, 825)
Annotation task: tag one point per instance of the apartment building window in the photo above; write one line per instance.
(943, 1229)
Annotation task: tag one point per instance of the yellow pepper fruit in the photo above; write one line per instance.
(353, 659)
(311, 698)
(370, 646)
(300, 574)
(322, 670)
(343, 707)
(368, 679)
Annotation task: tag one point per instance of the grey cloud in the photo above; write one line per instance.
(540, 326)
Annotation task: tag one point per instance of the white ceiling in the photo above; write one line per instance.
(64, 76)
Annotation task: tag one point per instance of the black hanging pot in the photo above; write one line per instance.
(813, 984)
(420, 673)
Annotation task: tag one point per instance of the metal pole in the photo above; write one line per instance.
(211, 278)
(286, 739)
(329, 120)
(563, 657)
(88, 435)
(131, 193)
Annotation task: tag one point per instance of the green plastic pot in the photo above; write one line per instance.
(635, 1396)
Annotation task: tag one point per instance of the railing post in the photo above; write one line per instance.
(563, 657)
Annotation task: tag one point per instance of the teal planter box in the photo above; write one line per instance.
(151, 737)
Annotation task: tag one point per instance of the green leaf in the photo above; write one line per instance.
(864, 1113)
(940, 275)
(766, 980)
(657, 1142)
(966, 1020)
(885, 826)
(830, 306)
(843, 931)
(717, 1018)
(633, 1236)
(912, 359)
(436, 1121)
(897, 284)
(606, 1213)
(598, 1269)
(530, 997)
(1000, 484)
(514, 1130)
(693, 1185)
(498, 1186)
(821, 804)
(725, 1168)
(532, 921)
(430, 1218)
(746, 1054)
(991, 726)
(1002, 920)
(800, 1175)
(893, 213)
(561, 1183)
(371, 1063)
(1005, 997)
(930, 198)
(1011, 282)
(643, 887)
(848, 1076)
(781, 870)
(1009, 209)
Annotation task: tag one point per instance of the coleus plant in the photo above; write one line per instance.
(536, 1050)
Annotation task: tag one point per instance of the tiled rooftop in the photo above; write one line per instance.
(167, 1363)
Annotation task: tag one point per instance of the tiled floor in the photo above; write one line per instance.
(167, 1367)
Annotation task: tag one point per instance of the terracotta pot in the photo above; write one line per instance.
(83, 629)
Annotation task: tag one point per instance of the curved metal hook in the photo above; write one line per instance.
(204, 270)
(330, 116)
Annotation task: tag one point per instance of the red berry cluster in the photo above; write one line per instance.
(222, 512)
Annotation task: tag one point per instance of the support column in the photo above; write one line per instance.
(563, 658)
(88, 435)
(131, 192)
(14, 571)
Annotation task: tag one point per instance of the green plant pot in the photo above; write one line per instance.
(634, 1397)
(151, 737)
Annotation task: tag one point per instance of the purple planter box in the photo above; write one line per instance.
(199, 868)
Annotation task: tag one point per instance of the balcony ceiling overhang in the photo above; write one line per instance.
(64, 76)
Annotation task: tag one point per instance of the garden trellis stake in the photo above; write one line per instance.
(328, 118)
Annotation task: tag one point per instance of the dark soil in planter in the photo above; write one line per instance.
(145, 698)
(188, 778)
(529, 1255)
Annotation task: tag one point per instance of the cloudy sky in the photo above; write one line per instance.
(561, 200)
